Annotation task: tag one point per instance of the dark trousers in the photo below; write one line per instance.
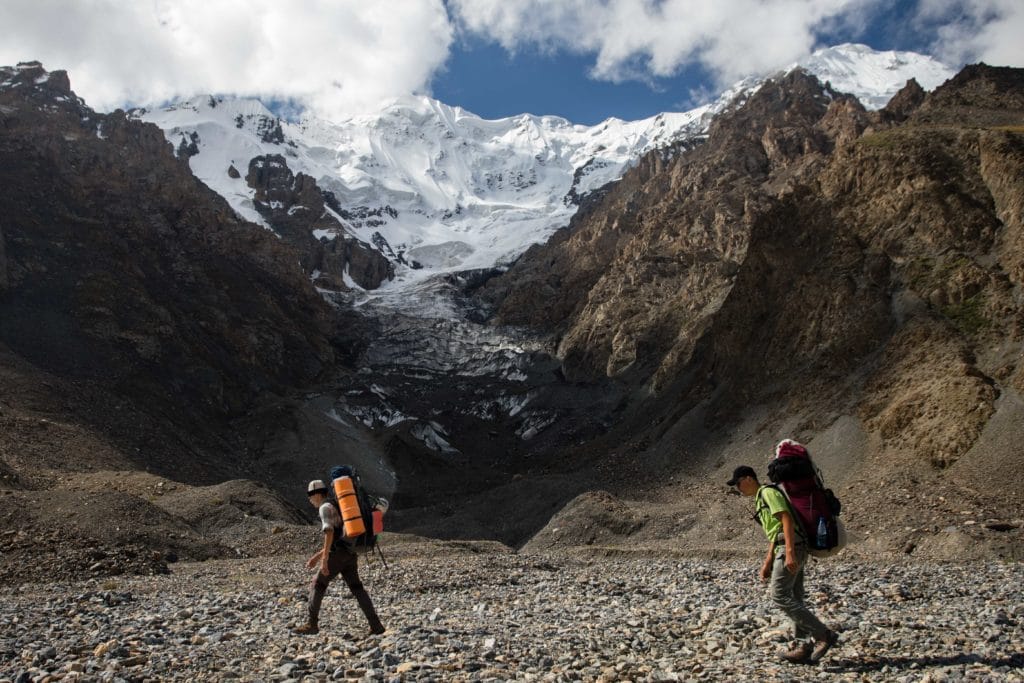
(347, 564)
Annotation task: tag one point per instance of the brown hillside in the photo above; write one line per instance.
(137, 312)
(851, 279)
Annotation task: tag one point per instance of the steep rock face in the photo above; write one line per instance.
(980, 95)
(905, 102)
(635, 278)
(928, 395)
(808, 303)
(122, 269)
(3, 263)
(294, 206)
(940, 196)
(812, 256)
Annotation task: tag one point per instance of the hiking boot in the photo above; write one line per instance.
(306, 629)
(377, 630)
(798, 653)
(823, 646)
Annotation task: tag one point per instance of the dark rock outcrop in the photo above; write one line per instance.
(904, 102)
(295, 207)
(127, 277)
(3, 262)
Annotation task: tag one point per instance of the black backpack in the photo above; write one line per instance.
(365, 542)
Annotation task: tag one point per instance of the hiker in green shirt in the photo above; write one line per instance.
(784, 566)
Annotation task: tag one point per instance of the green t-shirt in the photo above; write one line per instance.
(770, 502)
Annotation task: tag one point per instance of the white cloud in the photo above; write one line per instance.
(645, 39)
(345, 56)
(990, 31)
(337, 56)
(729, 38)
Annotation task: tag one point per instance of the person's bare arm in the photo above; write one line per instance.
(789, 533)
(313, 561)
(766, 566)
(325, 553)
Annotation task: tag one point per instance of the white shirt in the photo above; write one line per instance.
(329, 517)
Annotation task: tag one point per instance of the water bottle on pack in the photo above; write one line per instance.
(822, 533)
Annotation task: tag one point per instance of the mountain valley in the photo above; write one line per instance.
(180, 355)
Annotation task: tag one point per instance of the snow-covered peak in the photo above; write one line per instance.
(435, 186)
(873, 76)
(439, 189)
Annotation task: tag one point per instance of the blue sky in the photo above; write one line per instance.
(488, 81)
(584, 60)
(491, 81)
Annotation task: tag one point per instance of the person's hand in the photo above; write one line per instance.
(792, 566)
(766, 571)
(311, 562)
(323, 568)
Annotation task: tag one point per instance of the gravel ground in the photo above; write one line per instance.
(476, 613)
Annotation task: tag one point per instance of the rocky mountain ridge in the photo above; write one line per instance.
(436, 189)
(848, 278)
(433, 187)
(299, 211)
(131, 292)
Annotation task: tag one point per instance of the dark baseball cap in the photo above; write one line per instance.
(739, 473)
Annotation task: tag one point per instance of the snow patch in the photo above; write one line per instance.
(379, 416)
(333, 414)
(873, 76)
(534, 425)
(443, 256)
(433, 437)
(350, 282)
(501, 407)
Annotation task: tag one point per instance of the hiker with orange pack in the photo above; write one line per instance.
(334, 558)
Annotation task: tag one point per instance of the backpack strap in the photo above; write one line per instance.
(339, 531)
(381, 553)
(761, 505)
